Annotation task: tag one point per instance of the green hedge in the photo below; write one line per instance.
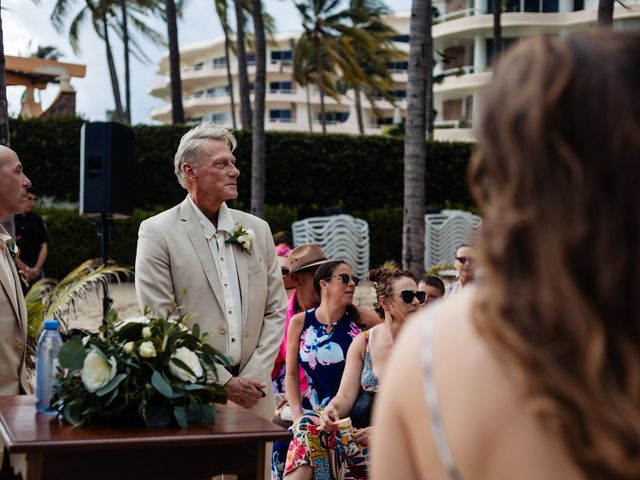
(354, 172)
(73, 239)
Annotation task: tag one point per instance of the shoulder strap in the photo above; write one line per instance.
(432, 396)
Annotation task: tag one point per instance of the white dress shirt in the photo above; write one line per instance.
(224, 259)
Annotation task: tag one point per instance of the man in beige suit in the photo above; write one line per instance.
(235, 291)
(13, 313)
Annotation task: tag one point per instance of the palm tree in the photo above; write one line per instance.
(327, 38)
(415, 143)
(5, 137)
(497, 29)
(222, 8)
(243, 76)
(258, 136)
(605, 13)
(177, 111)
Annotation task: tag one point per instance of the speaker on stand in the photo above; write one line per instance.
(106, 180)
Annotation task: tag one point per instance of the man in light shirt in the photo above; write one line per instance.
(195, 255)
(13, 313)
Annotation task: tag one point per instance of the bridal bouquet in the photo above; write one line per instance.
(153, 369)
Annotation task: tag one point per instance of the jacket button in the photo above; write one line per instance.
(222, 330)
(19, 344)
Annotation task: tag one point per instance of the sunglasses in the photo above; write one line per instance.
(464, 260)
(408, 296)
(345, 278)
(284, 271)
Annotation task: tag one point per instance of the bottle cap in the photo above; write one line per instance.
(51, 324)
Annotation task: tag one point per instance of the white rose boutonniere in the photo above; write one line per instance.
(243, 237)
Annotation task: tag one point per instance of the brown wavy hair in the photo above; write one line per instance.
(557, 176)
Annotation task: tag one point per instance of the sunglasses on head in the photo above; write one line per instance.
(464, 260)
(408, 296)
(345, 278)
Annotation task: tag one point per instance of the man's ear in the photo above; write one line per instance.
(187, 170)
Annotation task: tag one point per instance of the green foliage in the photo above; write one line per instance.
(150, 369)
(385, 234)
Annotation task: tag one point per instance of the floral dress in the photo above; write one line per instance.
(332, 455)
(322, 356)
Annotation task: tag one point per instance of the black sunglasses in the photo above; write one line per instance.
(464, 260)
(345, 278)
(408, 296)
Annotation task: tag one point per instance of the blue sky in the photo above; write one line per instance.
(26, 26)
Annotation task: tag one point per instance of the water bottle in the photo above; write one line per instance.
(47, 365)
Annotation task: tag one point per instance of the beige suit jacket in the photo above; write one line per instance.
(13, 333)
(173, 261)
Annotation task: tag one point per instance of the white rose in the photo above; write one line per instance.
(147, 350)
(143, 320)
(128, 347)
(146, 332)
(191, 360)
(97, 371)
(246, 245)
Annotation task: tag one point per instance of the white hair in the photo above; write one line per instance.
(192, 143)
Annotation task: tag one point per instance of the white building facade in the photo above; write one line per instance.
(463, 49)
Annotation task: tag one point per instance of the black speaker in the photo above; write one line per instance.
(106, 169)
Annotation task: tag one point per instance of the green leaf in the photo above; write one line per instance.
(157, 416)
(72, 354)
(194, 412)
(190, 387)
(195, 330)
(161, 385)
(208, 415)
(180, 413)
(111, 385)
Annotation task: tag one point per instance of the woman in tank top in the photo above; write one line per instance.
(535, 372)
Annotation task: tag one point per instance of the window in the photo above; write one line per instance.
(283, 56)
(218, 91)
(280, 87)
(280, 115)
(219, 117)
(219, 62)
(251, 58)
(398, 66)
(198, 66)
(400, 94)
(198, 94)
(401, 38)
(194, 120)
(335, 117)
(384, 121)
(534, 6)
(578, 5)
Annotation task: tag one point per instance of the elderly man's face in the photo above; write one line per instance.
(465, 264)
(214, 179)
(13, 183)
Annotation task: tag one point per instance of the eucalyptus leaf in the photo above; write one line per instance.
(190, 387)
(208, 415)
(72, 354)
(161, 385)
(180, 413)
(157, 416)
(111, 385)
(195, 330)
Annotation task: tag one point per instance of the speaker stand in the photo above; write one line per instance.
(107, 301)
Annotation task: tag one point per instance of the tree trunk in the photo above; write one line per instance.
(605, 13)
(415, 144)
(497, 30)
(309, 115)
(127, 76)
(115, 85)
(430, 117)
(177, 111)
(5, 137)
(358, 106)
(230, 79)
(323, 120)
(258, 137)
(243, 76)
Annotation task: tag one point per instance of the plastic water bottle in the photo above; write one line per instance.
(47, 365)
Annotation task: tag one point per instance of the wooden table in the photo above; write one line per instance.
(43, 447)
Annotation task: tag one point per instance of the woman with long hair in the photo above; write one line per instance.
(325, 447)
(535, 372)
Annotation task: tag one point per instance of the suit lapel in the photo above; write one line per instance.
(193, 229)
(243, 279)
(11, 290)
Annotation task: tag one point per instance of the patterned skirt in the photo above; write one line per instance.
(331, 455)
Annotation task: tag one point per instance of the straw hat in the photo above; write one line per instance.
(306, 256)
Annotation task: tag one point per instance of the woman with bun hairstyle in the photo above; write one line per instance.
(327, 444)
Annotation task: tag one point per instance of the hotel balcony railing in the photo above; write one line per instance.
(462, 123)
(450, 72)
(465, 12)
(282, 120)
(282, 90)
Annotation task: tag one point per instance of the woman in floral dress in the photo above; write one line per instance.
(322, 447)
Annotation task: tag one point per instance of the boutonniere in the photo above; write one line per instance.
(12, 247)
(243, 237)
